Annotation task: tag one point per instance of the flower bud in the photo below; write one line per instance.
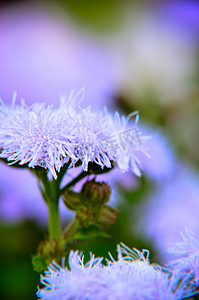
(95, 194)
(47, 251)
(48, 248)
(71, 200)
(107, 215)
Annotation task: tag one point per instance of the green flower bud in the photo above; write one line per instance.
(48, 248)
(47, 251)
(86, 216)
(71, 200)
(107, 215)
(95, 194)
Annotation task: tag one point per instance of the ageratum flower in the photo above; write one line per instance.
(186, 267)
(49, 137)
(102, 138)
(130, 277)
(35, 135)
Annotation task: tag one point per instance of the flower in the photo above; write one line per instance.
(172, 205)
(104, 138)
(35, 135)
(50, 54)
(186, 267)
(130, 277)
(43, 136)
(78, 282)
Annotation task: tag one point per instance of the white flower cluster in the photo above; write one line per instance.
(130, 277)
(49, 137)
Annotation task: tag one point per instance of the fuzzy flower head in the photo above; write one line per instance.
(133, 277)
(77, 282)
(186, 267)
(35, 135)
(43, 136)
(130, 277)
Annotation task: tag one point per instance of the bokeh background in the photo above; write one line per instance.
(129, 55)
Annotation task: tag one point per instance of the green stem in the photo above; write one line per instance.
(54, 220)
(50, 193)
(73, 182)
(93, 169)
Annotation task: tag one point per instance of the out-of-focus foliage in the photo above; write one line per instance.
(99, 16)
(18, 243)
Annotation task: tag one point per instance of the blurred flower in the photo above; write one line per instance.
(186, 267)
(189, 245)
(162, 162)
(171, 207)
(48, 137)
(43, 53)
(20, 197)
(130, 277)
(21, 200)
(156, 61)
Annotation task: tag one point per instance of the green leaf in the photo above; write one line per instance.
(91, 232)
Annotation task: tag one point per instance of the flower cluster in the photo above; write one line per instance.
(130, 277)
(186, 267)
(50, 137)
